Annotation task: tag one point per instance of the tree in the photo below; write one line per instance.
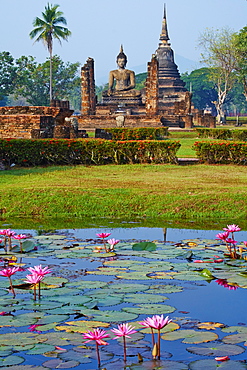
(33, 79)
(220, 55)
(203, 90)
(47, 29)
(7, 74)
(240, 42)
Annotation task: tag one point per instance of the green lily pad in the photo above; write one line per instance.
(114, 316)
(216, 350)
(124, 263)
(214, 365)
(48, 319)
(57, 363)
(156, 365)
(88, 284)
(9, 339)
(191, 336)
(73, 355)
(232, 329)
(144, 246)
(40, 349)
(165, 289)
(128, 288)
(105, 300)
(149, 309)
(136, 275)
(144, 298)
(235, 338)
(108, 271)
(11, 360)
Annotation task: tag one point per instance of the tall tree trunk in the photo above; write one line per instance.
(50, 76)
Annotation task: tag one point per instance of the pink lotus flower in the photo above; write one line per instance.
(156, 322)
(8, 272)
(223, 358)
(223, 236)
(33, 279)
(112, 243)
(97, 335)
(38, 270)
(124, 330)
(232, 228)
(223, 282)
(20, 236)
(103, 235)
(245, 243)
(231, 241)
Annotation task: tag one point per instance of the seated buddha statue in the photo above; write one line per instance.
(121, 82)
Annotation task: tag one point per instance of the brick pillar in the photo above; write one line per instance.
(152, 87)
(88, 102)
(188, 121)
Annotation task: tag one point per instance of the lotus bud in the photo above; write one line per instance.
(155, 351)
(140, 358)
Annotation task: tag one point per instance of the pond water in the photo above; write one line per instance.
(89, 286)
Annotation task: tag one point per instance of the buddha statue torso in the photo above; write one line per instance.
(124, 81)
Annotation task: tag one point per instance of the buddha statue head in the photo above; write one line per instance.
(121, 58)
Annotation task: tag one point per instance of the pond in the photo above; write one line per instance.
(185, 274)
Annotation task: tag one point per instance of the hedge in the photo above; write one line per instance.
(221, 152)
(141, 133)
(222, 134)
(26, 152)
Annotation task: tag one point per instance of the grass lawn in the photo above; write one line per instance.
(170, 192)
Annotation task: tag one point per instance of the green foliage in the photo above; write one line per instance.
(240, 43)
(204, 92)
(33, 80)
(7, 74)
(143, 133)
(140, 80)
(222, 134)
(221, 152)
(24, 152)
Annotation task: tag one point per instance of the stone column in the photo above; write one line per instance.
(152, 87)
(88, 102)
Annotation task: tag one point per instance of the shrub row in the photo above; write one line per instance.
(141, 133)
(221, 152)
(24, 152)
(222, 134)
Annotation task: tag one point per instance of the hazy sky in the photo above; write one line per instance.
(99, 27)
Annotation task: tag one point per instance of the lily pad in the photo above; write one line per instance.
(144, 246)
(144, 298)
(11, 360)
(114, 316)
(191, 336)
(165, 289)
(40, 349)
(128, 288)
(149, 309)
(156, 365)
(215, 365)
(216, 350)
(60, 364)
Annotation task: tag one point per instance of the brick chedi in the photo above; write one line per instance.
(88, 103)
(171, 88)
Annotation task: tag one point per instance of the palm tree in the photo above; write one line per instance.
(48, 28)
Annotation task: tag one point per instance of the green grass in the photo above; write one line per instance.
(197, 193)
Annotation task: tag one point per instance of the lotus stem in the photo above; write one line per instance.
(39, 290)
(124, 343)
(158, 344)
(34, 292)
(152, 332)
(11, 286)
(98, 356)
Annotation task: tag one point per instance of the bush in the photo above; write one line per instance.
(221, 152)
(222, 134)
(24, 152)
(142, 133)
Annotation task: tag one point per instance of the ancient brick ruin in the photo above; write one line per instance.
(164, 102)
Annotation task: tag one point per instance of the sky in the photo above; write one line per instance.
(99, 27)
